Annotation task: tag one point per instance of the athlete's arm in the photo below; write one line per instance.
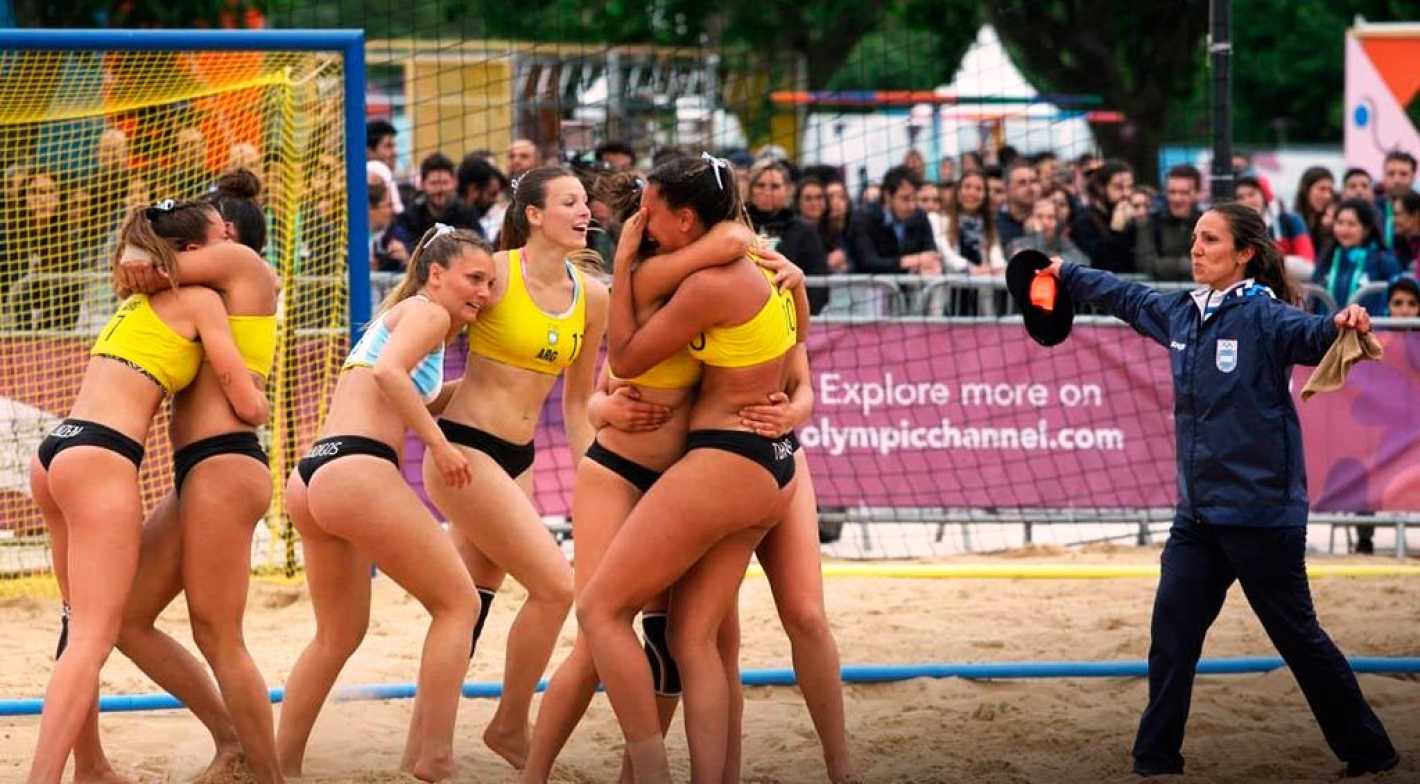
(623, 408)
(1141, 307)
(217, 265)
(785, 410)
(446, 393)
(659, 275)
(787, 274)
(581, 377)
(633, 349)
(208, 315)
(420, 328)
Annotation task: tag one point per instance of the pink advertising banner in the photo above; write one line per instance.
(956, 415)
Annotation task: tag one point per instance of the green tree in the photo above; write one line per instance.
(1289, 66)
(1138, 56)
(132, 13)
(916, 46)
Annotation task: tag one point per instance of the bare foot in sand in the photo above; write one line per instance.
(433, 769)
(511, 745)
(228, 767)
(105, 776)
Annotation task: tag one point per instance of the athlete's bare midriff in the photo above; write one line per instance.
(655, 449)
(500, 399)
(724, 391)
(360, 408)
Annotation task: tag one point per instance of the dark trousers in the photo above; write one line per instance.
(1200, 562)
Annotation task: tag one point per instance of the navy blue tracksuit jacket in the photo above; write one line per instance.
(1239, 441)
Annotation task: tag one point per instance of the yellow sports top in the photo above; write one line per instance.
(517, 332)
(678, 371)
(137, 337)
(768, 335)
(255, 337)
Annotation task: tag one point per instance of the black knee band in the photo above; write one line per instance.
(485, 603)
(665, 676)
(63, 632)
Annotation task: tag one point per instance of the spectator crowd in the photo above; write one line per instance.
(967, 218)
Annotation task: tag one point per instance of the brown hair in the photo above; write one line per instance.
(620, 192)
(235, 197)
(705, 185)
(162, 231)
(439, 245)
(988, 216)
(529, 190)
(1266, 265)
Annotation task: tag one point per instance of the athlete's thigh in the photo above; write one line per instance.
(223, 500)
(383, 517)
(159, 577)
(706, 496)
(337, 572)
(790, 551)
(54, 521)
(704, 596)
(496, 516)
(601, 500)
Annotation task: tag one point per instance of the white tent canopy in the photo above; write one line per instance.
(875, 142)
(986, 70)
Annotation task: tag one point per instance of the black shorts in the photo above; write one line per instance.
(242, 442)
(637, 475)
(336, 447)
(514, 459)
(80, 432)
(775, 455)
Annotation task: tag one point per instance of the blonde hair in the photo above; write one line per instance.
(439, 245)
(161, 231)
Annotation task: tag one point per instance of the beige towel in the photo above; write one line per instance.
(1350, 347)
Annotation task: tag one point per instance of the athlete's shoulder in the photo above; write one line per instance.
(419, 310)
(195, 297)
(598, 295)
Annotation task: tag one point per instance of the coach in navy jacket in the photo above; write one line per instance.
(1242, 491)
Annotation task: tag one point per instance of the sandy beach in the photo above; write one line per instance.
(1244, 728)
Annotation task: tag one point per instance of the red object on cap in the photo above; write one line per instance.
(1042, 290)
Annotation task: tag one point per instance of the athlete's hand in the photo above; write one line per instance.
(787, 274)
(1353, 317)
(626, 411)
(452, 464)
(772, 420)
(630, 243)
(1055, 263)
(136, 273)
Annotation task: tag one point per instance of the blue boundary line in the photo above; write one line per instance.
(863, 673)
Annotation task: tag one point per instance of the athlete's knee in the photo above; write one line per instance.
(216, 638)
(665, 675)
(340, 640)
(132, 633)
(691, 640)
(805, 621)
(556, 592)
(595, 611)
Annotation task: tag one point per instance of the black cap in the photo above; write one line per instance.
(1047, 327)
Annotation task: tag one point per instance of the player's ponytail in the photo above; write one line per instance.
(1266, 265)
(234, 195)
(529, 190)
(160, 232)
(439, 245)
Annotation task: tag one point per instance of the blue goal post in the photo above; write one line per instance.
(350, 44)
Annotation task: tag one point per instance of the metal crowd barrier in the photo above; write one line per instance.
(852, 299)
